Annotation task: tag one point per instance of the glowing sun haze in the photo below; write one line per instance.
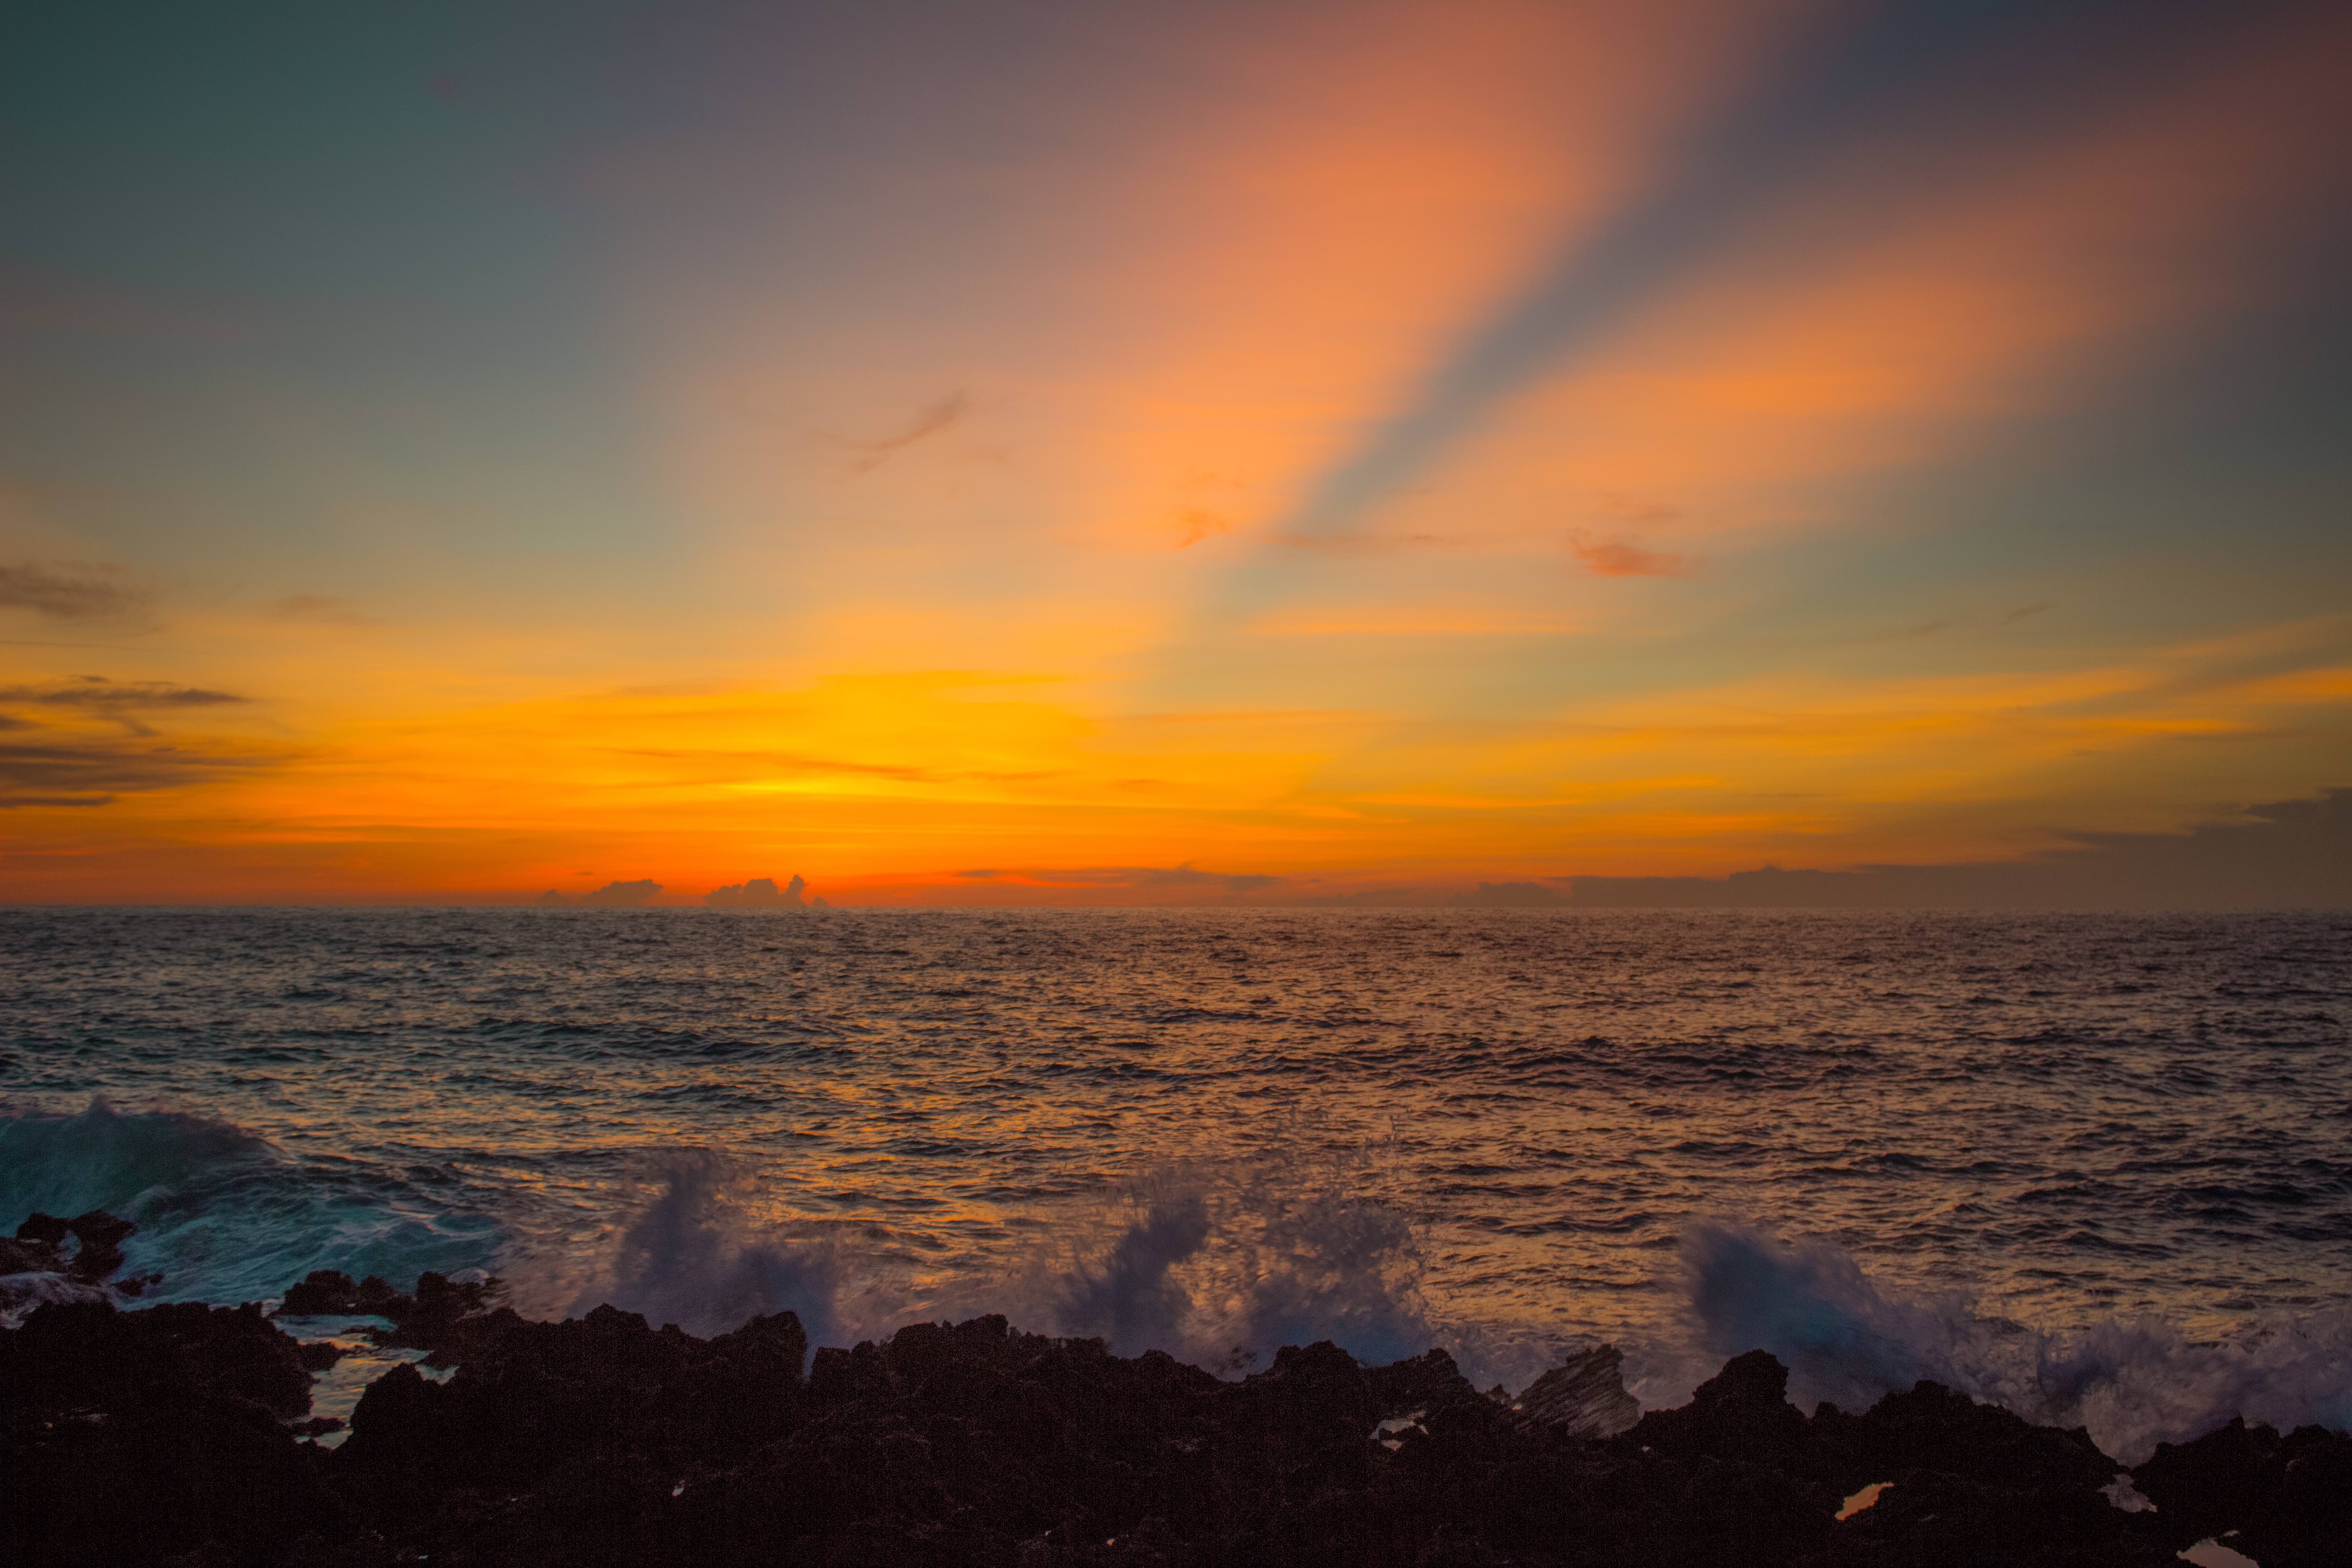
(1048, 451)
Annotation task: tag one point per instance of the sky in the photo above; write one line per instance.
(1020, 451)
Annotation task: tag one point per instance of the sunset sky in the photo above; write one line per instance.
(1171, 450)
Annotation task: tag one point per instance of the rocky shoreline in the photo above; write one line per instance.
(182, 1434)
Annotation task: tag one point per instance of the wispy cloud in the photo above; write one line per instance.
(96, 773)
(1615, 558)
(119, 700)
(65, 758)
(69, 590)
(100, 695)
(930, 421)
(1198, 525)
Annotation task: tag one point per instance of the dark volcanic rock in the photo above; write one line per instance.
(606, 1441)
(447, 1318)
(40, 1246)
(1744, 1409)
(102, 1235)
(134, 1436)
(2287, 1499)
(324, 1292)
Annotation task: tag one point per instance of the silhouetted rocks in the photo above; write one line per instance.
(329, 1292)
(2287, 1499)
(438, 1317)
(172, 1433)
(40, 1246)
(137, 1437)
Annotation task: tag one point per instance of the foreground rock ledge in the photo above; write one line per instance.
(166, 1436)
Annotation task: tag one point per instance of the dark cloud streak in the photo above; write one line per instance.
(96, 694)
(94, 775)
(60, 764)
(933, 419)
(68, 590)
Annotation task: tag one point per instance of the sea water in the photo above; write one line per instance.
(2096, 1167)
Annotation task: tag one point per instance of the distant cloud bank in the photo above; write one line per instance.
(759, 893)
(762, 894)
(2292, 854)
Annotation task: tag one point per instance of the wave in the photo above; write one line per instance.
(1217, 1264)
(1848, 1338)
(1217, 1268)
(1222, 1265)
(691, 1255)
(222, 1214)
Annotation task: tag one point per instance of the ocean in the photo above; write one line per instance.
(2096, 1167)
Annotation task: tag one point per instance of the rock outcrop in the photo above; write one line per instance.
(171, 1433)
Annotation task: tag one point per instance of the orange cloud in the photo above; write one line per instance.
(1615, 558)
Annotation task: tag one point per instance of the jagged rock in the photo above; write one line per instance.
(1933, 1428)
(605, 1440)
(318, 1356)
(1584, 1396)
(1742, 1410)
(323, 1292)
(441, 1318)
(2287, 1499)
(133, 1438)
(40, 1246)
(102, 1235)
(45, 1228)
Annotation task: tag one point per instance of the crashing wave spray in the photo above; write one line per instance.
(1218, 1266)
(692, 1256)
(1223, 1266)
(1848, 1340)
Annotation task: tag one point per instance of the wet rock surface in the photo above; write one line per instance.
(174, 1433)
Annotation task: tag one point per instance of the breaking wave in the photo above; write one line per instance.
(1220, 1268)
(1848, 1338)
(691, 1255)
(1218, 1265)
(221, 1214)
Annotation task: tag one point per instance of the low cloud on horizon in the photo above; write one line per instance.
(1124, 877)
(2292, 854)
(610, 895)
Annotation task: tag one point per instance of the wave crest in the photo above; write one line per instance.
(222, 1214)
